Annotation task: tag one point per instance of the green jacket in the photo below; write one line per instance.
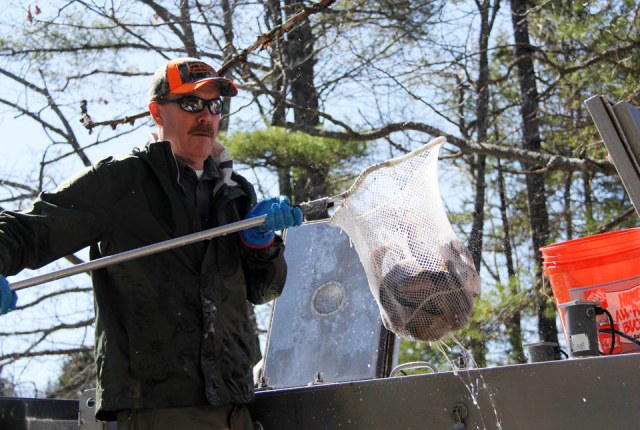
(172, 329)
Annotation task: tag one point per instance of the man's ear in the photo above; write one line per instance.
(156, 112)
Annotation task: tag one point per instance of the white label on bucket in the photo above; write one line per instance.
(579, 342)
(622, 299)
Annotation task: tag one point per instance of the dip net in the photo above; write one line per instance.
(421, 275)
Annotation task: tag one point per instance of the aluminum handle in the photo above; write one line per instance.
(140, 252)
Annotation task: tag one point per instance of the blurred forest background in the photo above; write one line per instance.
(357, 82)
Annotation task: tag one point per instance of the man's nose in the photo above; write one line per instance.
(206, 116)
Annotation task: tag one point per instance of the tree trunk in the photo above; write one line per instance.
(478, 346)
(278, 47)
(227, 13)
(311, 183)
(273, 18)
(284, 182)
(512, 321)
(568, 213)
(482, 111)
(536, 195)
(300, 62)
(187, 31)
(588, 201)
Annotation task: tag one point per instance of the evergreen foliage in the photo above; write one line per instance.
(275, 148)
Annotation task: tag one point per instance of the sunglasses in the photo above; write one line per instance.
(193, 104)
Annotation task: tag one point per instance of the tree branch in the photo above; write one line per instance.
(49, 330)
(552, 162)
(8, 183)
(55, 294)
(125, 28)
(614, 223)
(265, 39)
(17, 355)
(70, 135)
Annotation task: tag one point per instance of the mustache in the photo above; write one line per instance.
(202, 128)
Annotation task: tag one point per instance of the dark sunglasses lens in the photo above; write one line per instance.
(192, 104)
(215, 106)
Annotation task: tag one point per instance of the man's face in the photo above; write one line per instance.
(192, 135)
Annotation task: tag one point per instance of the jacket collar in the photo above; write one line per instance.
(159, 157)
(220, 155)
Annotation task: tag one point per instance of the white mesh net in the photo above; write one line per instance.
(420, 273)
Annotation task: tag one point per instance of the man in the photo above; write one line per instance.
(174, 344)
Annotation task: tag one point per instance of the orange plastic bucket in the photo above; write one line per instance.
(605, 268)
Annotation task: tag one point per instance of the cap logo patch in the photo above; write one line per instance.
(201, 68)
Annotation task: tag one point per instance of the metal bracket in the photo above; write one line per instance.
(87, 413)
(319, 379)
(263, 384)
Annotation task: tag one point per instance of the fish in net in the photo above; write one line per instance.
(421, 275)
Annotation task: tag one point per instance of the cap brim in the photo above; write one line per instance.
(225, 86)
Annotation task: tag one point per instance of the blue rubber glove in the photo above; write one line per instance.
(8, 298)
(279, 216)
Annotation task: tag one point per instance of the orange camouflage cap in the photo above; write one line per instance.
(184, 75)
